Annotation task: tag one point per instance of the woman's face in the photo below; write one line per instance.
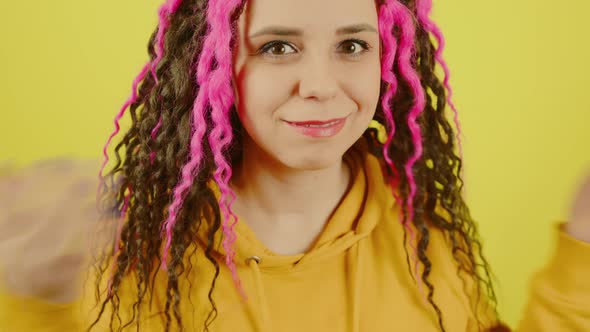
(306, 77)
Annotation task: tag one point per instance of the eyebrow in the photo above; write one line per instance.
(286, 31)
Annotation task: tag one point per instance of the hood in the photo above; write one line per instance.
(353, 220)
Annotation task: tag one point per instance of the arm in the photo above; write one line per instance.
(34, 314)
(47, 212)
(560, 293)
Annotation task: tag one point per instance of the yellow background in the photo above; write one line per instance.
(519, 70)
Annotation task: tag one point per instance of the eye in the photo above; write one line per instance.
(354, 47)
(276, 48)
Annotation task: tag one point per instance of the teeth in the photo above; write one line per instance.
(321, 126)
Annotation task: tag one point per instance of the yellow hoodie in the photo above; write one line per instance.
(354, 278)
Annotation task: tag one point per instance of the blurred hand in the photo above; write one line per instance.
(579, 220)
(47, 215)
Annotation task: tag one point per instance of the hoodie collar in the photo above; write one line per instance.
(367, 201)
(355, 217)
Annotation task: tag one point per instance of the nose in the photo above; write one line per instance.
(317, 79)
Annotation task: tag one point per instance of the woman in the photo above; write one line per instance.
(321, 125)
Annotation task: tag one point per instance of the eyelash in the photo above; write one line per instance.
(268, 46)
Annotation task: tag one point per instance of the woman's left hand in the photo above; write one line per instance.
(579, 218)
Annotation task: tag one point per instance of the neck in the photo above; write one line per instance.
(268, 190)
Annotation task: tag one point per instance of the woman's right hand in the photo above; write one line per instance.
(47, 218)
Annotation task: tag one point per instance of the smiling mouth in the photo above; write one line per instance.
(316, 123)
(319, 129)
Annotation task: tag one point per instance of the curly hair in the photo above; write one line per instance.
(183, 95)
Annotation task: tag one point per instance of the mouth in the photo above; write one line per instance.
(319, 128)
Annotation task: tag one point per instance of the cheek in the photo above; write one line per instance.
(373, 87)
(369, 94)
(363, 85)
(261, 92)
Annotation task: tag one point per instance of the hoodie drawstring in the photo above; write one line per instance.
(253, 262)
(265, 324)
(357, 282)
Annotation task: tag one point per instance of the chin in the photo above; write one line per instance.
(312, 162)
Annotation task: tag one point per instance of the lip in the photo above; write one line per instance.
(311, 128)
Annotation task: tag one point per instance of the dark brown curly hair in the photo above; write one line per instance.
(157, 146)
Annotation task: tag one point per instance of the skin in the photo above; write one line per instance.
(39, 202)
(294, 182)
(579, 216)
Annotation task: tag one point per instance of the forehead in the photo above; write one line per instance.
(308, 14)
